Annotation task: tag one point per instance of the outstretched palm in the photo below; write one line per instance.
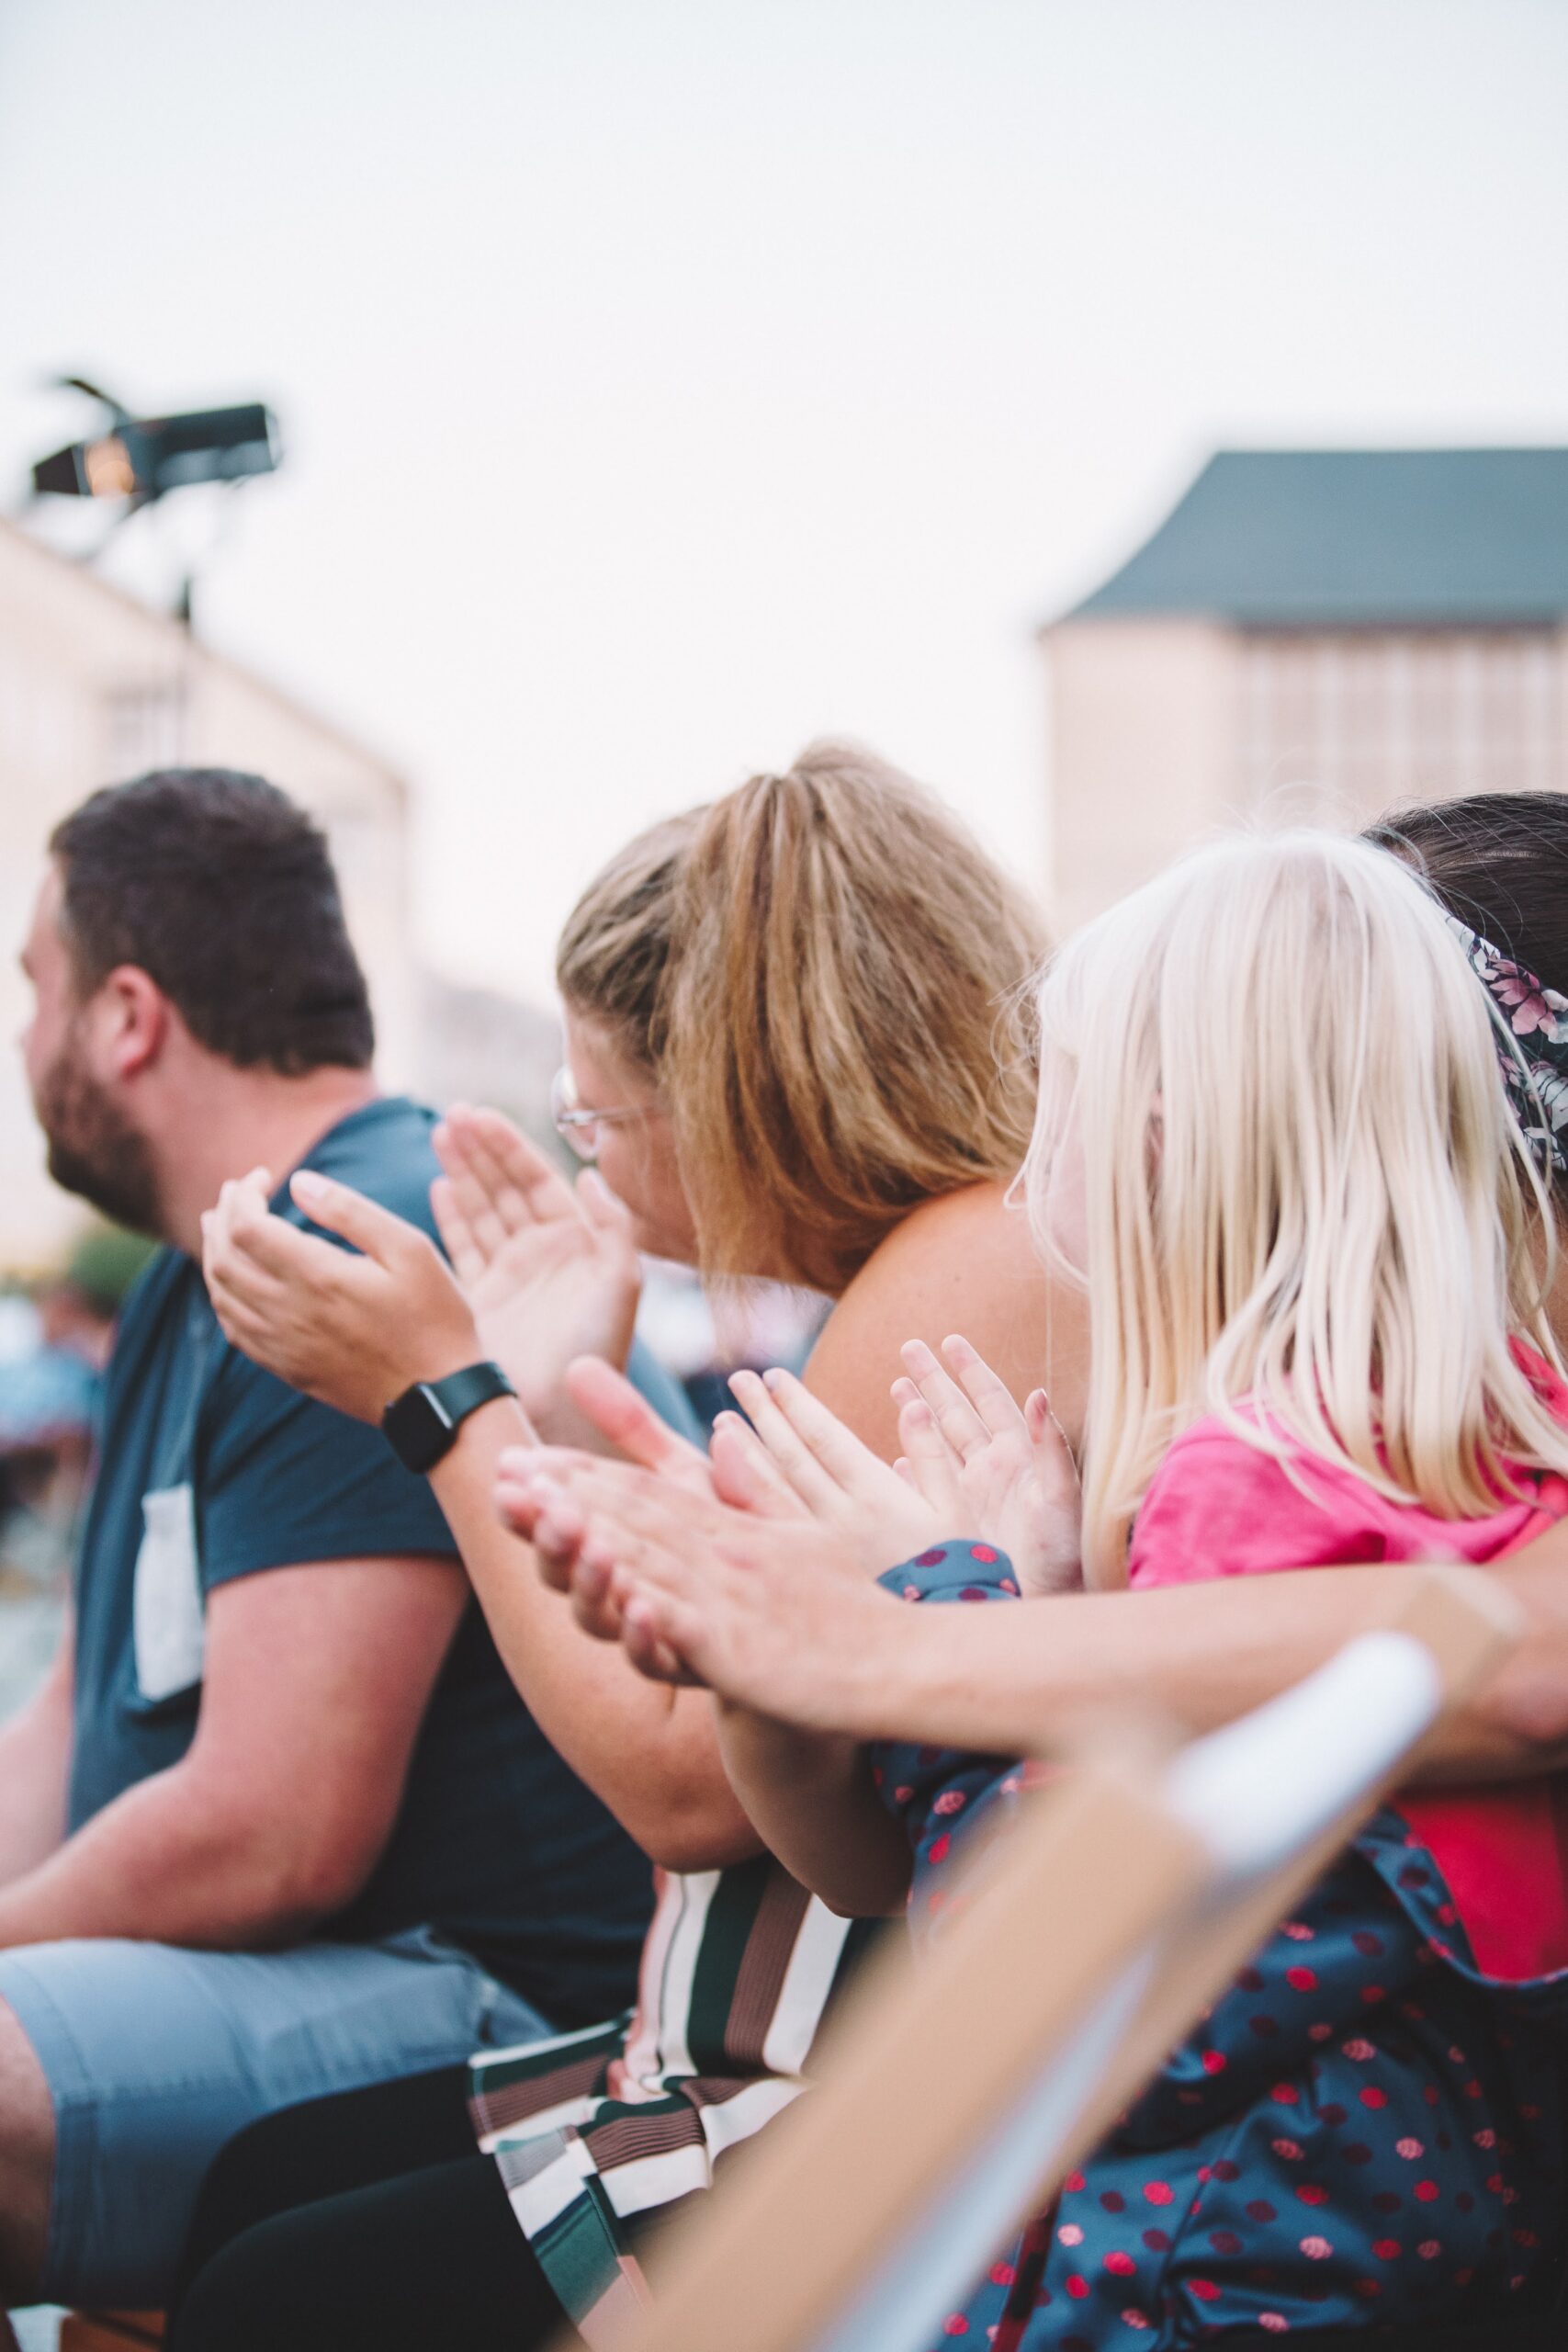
(551, 1273)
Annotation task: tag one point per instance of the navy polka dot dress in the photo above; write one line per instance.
(1365, 2129)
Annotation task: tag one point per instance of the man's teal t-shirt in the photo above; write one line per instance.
(211, 1469)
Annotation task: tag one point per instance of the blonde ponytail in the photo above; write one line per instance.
(816, 971)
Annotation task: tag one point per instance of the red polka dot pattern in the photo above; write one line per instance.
(1322, 2152)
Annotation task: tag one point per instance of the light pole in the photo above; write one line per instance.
(139, 460)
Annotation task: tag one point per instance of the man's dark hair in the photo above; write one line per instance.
(221, 889)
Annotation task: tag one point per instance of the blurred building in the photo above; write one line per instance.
(96, 687)
(1361, 627)
(480, 1045)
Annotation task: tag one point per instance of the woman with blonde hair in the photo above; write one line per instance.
(1273, 1145)
(811, 978)
(787, 1055)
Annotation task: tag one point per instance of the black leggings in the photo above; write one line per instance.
(370, 2220)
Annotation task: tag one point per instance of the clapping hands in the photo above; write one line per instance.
(539, 1274)
(550, 1272)
(973, 1465)
(738, 1585)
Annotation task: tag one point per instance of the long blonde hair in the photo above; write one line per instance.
(814, 972)
(1308, 1210)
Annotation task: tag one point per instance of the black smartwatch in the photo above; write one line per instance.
(423, 1423)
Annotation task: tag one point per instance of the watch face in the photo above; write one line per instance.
(418, 1428)
(422, 1424)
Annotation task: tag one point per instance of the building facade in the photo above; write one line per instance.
(1329, 632)
(95, 687)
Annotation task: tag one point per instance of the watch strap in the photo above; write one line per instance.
(422, 1424)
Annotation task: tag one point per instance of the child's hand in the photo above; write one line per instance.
(839, 1481)
(985, 1467)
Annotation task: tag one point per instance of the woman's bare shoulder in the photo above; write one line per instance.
(938, 1240)
(964, 1262)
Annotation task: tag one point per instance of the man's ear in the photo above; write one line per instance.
(131, 1022)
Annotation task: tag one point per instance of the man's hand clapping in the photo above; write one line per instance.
(351, 1328)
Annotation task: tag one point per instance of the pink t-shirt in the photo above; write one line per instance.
(1216, 1507)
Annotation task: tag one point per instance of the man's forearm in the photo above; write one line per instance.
(35, 1762)
(166, 1863)
(32, 1809)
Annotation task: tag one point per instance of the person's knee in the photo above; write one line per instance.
(27, 2160)
(247, 2299)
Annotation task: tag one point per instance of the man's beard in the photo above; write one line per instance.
(94, 1150)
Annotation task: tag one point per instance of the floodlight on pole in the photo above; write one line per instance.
(144, 457)
(136, 460)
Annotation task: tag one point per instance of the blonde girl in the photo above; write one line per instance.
(1271, 1141)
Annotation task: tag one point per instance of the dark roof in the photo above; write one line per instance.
(1348, 537)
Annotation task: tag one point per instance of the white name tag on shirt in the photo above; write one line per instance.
(168, 1621)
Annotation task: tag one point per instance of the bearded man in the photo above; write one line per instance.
(277, 1823)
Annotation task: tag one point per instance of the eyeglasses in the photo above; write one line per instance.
(580, 1129)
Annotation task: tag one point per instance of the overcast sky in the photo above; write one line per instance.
(665, 381)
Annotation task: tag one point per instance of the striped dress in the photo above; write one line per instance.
(593, 2129)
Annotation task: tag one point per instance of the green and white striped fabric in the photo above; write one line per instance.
(590, 2129)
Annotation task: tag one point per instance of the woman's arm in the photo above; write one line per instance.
(1520, 1723)
(802, 1788)
(810, 1799)
(963, 1261)
(965, 1258)
(785, 1623)
(1200, 1655)
(358, 1330)
(651, 1753)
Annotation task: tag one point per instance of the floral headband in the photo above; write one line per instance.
(1534, 1059)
